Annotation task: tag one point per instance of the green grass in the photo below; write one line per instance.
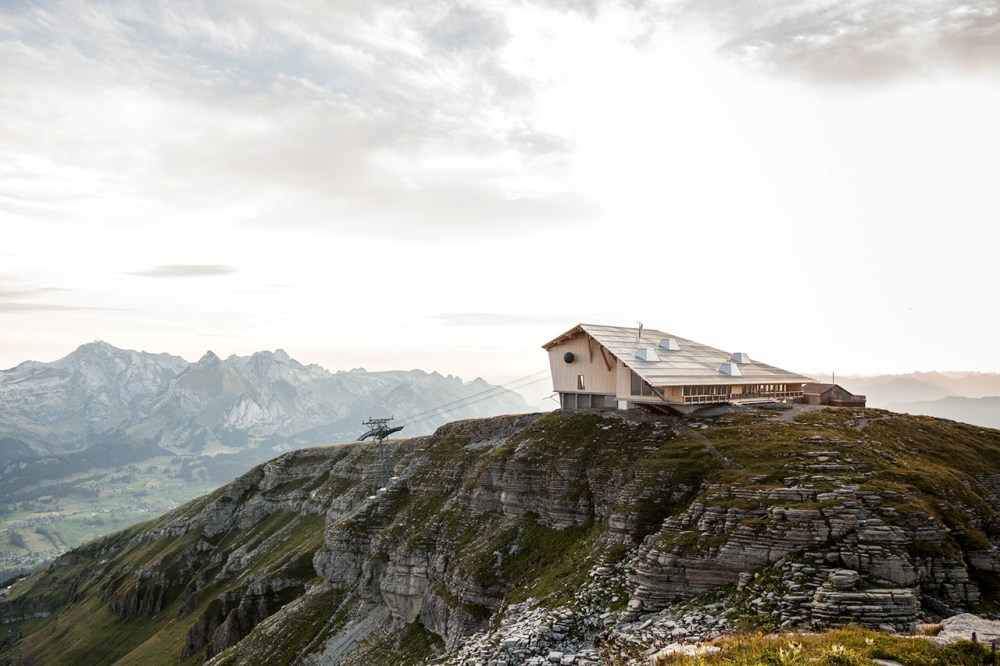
(305, 624)
(409, 646)
(283, 546)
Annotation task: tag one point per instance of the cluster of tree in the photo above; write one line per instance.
(27, 500)
(16, 540)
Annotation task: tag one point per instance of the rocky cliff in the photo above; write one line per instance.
(529, 539)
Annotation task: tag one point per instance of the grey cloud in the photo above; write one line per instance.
(186, 270)
(330, 162)
(854, 42)
(337, 113)
(465, 28)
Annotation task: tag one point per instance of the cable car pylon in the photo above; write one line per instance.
(378, 430)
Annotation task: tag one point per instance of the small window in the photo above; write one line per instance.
(581, 383)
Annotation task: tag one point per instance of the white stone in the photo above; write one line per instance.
(960, 628)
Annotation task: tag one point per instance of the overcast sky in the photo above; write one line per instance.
(448, 186)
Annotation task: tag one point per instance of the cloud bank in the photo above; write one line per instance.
(374, 118)
(354, 116)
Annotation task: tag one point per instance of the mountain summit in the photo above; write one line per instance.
(531, 539)
(68, 404)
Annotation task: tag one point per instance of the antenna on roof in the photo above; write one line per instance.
(638, 337)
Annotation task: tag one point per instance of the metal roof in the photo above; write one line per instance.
(817, 388)
(691, 365)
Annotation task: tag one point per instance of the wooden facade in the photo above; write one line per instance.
(833, 395)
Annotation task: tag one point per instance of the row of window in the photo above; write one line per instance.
(707, 390)
(747, 389)
(756, 389)
(642, 388)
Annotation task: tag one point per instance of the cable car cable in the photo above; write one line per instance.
(418, 416)
(444, 411)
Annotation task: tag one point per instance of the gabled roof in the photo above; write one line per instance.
(693, 364)
(817, 388)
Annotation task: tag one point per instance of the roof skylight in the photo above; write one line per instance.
(730, 368)
(646, 354)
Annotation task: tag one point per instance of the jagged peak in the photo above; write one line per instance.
(276, 356)
(102, 349)
(210, 358)
(98, 347)
(97, 352)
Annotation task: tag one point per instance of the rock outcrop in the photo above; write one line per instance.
(830, 512)
(966, 627)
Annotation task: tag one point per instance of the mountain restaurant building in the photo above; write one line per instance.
(612, 367)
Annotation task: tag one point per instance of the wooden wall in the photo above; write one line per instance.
(588, 362)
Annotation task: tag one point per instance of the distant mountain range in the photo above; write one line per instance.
(977, 411)
(267, 400)
(972, 397)
(106, 437)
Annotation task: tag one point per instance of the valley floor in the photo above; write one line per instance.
(44, 520)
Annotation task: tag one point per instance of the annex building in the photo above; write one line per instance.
(612, 367)
(833, 395)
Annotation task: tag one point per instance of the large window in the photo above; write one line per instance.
(744, 392)
(639, 387)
